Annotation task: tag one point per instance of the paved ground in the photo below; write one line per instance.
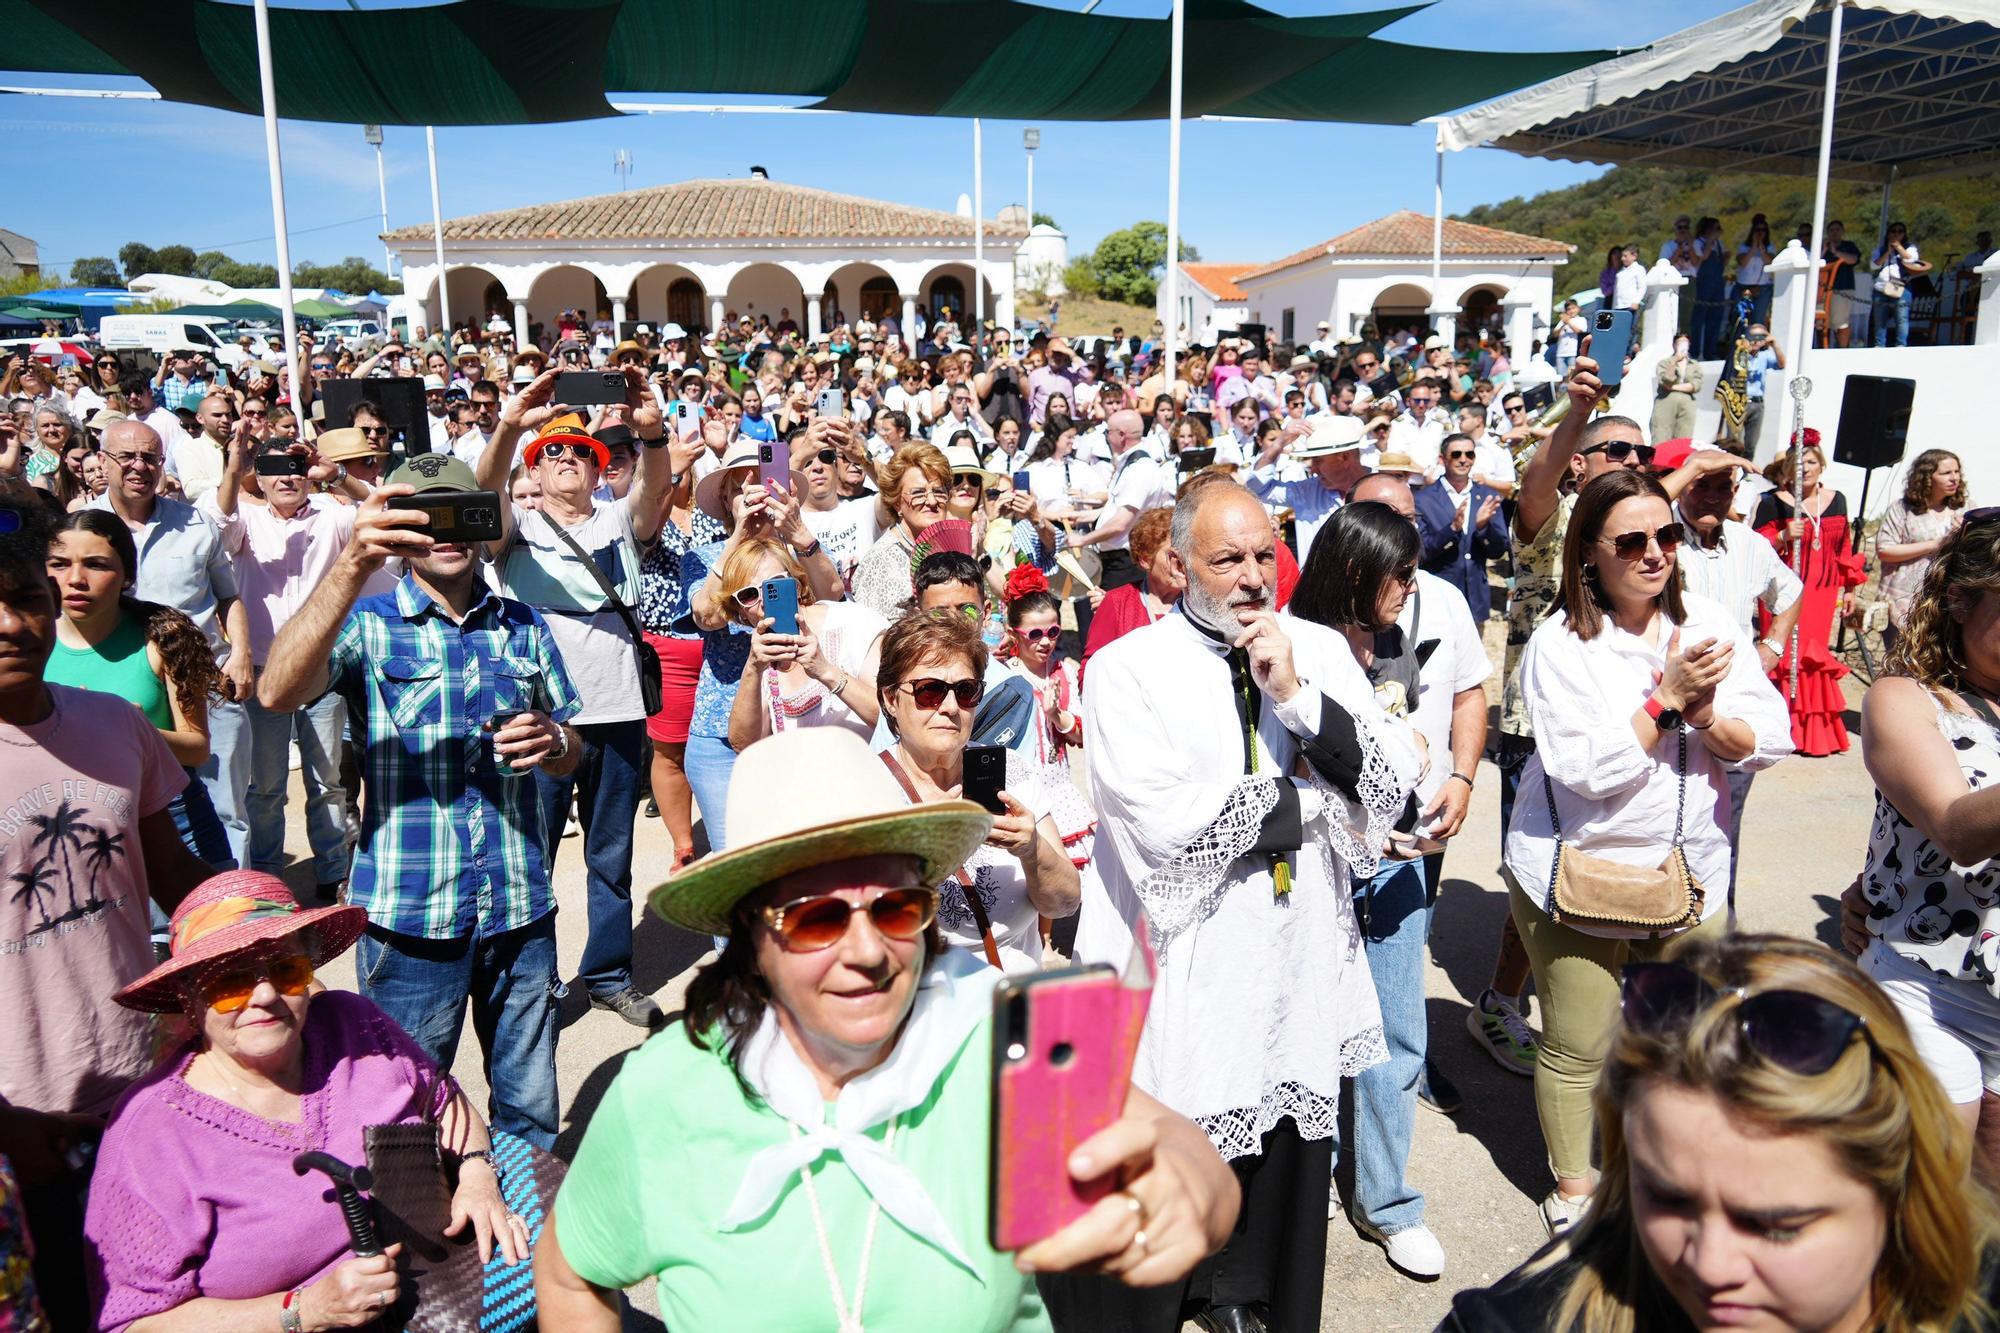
(1483, 1171)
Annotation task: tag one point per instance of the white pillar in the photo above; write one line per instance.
(1986, 332)
(714, 315)
(437, 237)
(1173, 302)
(618, 312)
(520, 322)
(1663, 308)
(1444, 319)
(1517, 314)
(382, 191)
(275, 165)
(1437, 226)
(978, 234)
(910, 322)
(813, 329)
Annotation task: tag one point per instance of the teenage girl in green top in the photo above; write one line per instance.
(151, 655)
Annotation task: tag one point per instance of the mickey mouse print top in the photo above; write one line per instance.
(1943, 916)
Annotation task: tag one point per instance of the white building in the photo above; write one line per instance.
(1381, 271)
(1210, 300)
(1043, 258)
(698, 251)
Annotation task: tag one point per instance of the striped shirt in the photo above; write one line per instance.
(1739, 571)
(450, 846)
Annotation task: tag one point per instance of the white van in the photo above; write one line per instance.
(358, 332)
(165, 333)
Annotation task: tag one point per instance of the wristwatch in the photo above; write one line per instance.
(1777, 649)
(1664, 718)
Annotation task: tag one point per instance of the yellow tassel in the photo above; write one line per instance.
(1281, 876)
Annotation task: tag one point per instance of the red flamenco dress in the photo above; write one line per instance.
(1831, 567)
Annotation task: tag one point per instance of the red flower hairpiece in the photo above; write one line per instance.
(1811, 437)
(1023, 580)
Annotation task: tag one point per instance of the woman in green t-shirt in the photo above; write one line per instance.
(150, 655)
(807, 1151)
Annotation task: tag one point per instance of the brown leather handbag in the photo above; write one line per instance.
(1592, 893)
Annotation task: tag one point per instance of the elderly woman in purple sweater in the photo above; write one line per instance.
(196, 1218)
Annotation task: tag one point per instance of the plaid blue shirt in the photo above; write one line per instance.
(172, 393)
(451, 847)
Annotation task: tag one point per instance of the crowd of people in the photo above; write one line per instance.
(943, 662)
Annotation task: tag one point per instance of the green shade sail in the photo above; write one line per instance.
(499, 62)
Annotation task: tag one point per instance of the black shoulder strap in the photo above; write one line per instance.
(610, 593)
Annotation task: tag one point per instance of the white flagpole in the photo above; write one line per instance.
(437, 237)
(275, 165)
(1172, 323)
(978, 235)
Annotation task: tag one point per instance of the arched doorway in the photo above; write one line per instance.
(767, 291)
(1402, 305)
(666, 292)
(947, 287)
(686, 302)
(1479, 308)
(859, 290)
(565, 287)
(476, 296)
(878, 298)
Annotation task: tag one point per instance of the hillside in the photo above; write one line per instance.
(1639, 204)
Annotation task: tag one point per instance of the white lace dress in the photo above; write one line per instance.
(1041, 765)
(1262, 1002)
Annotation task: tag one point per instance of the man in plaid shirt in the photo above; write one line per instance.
(465, 696)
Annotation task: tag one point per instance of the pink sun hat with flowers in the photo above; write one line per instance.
(228, 918)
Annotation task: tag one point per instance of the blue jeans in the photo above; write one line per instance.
(201, 831)
(318, 728)
(511, 980)
(709, 763)
(227, 774)
(1887, 310)
(1510, 758)
(608, 779)
(1395, 916)
(1739, 792)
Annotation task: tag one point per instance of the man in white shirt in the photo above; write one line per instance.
(1421, 427)
(437, 414)
(1628, 291)
(1324, 346)
(844, 528)
(1494, 468)
(1332, 458)
(196, 461)
(1727, 562)
(1138, 483)
(142, 406)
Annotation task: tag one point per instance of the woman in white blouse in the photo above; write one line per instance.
(1626, 675)
(823, 676)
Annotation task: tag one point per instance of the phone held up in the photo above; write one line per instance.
(781, 604)
(774, 466)
(830, 402)
(590, 388)
(985, 775)
(1610, 340)
(1063, 1046)
(459, 516)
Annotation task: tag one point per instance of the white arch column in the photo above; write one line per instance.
(714, 312)
(1517, 313)
(1444, 319)
(520, 322)
(910, 321)
(814, 329)
(618, 311)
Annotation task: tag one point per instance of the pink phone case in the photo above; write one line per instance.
(1067, 1082)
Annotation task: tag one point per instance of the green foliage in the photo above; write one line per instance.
(1080, 278)
(136, 259)
(1044, 220)
(94, 271)
(1129, 262)
(1639, 204)
(353, 275)
(175, 259)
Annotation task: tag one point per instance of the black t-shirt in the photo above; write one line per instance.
(1843, 278)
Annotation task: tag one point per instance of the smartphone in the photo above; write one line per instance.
(459, 516)
(1194, 460)
(1538, 397)
(590, 388)
(1021, 481)
(774, 468)
(1610, 340)
(282, 465)
(1062, 1065)
(985, 775)
(1384, 385)
(830, 402)
(781, 604)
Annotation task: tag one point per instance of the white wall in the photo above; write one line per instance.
(1344, 292)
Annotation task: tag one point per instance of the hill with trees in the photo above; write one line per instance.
(1639, 205)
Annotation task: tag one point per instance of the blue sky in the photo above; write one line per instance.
(108, 172)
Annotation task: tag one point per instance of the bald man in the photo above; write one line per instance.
(183, 564)
(1139, 482)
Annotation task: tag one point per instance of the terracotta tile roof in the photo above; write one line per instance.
(1408, 232)
(1219, 280)
(710, 210)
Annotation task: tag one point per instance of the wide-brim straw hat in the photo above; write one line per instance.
(807, 798)
(1393, 461)
(1330, 435)
(741, 456)
(966, 459)
(232, 917)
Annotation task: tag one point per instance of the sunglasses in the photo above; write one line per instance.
(966, 480)
(1461, 453)
(1632, 545)
(918, 497)
(929, 692)
(1795, 1030)
(564, 449)
(1618, 451)
(1051, 633)
(807, 925)
(748, 595)
(230, 991)
(828, 456)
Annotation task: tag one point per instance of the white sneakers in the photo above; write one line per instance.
(1561, 1211)
(1413, 1251)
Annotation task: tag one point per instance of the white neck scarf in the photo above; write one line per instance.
(953, 997)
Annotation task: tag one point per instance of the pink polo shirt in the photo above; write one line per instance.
(279, 561)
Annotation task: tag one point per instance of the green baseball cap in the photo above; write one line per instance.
(433, 472)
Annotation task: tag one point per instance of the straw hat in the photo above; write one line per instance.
(534, 354)
(804, 798)
(1330, 435)
(1395, 461)
(963, 459)
(629, 345)
(229, 918)
(346, 445)
(433, 384)
(742, 457)
(104, 418)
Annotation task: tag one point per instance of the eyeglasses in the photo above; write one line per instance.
(566, 449)
(929, 692)
(227, 992)
(1515, 409)
(1618, 451)
(382, 430)
(807, 925)
(828, 456)
(136, 460)
(1407, 577)
(1632, 545)
(1051, 633)
(919, 496)
(965, 480)
(1795, 1030)
(1461, 453)
(748, 595)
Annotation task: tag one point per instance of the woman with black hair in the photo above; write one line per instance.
(1356, 577)
(1034, 629)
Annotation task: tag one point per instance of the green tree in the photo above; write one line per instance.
(1129, 262)
(1044, 220)
(1080, 278)
(353, 274)
(94, 271)
(136, 258)
(175, 259)
(236, 274)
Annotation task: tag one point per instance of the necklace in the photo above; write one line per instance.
(848, 1319)
(55, 716)
(244, 1101)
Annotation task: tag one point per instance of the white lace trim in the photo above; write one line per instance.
(1240, 1133)
(1185, 890)
(1360, 828)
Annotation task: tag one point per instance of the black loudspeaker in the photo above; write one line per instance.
(1874, 421)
